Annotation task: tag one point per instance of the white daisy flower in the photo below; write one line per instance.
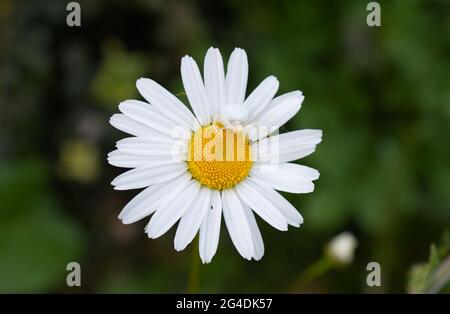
(223, 158)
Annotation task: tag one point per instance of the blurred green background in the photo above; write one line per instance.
(381, 96)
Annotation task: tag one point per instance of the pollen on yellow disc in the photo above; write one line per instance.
(219, 157)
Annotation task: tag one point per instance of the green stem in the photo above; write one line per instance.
(317, 269)
(194, 273)
(314, 271)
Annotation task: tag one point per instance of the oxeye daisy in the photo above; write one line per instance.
(223, 157)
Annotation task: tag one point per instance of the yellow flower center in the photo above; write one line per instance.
(219, 157)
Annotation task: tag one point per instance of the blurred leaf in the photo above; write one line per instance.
(79, 161)
(36, 243)
(420, 278)
(21, 183)
(116, 77)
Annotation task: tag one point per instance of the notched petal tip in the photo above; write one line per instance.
(238, 49)
(212, 49)
(320, 132)
(179, 249)
(311, 189)
(205, 259)
(151, 234)
(258, 257)
(317, 175)
(186, 59)
(300, 96)
(298, 223)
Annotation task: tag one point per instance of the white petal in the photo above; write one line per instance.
(236, 78)
(166, 216)
(279, 99)
(142, 177)
(214, 80)
(284, 177)
(237, 224)
(154, 147)
(139, 199)
(146, 202)
(291, 214)
(146, 114)
(210, 229)
(234, 113)
(307, 173)
(195, 90)
(277, 115)
(287, 146)
(166, 103)
(300, 137)
(302, 172)
(258, 244)
(192, 219)
(253, 197)
(120, 159)
(260, 98)
(130, 126)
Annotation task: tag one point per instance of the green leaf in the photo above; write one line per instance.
(36, 243)
(420, 279)
(116, 78)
